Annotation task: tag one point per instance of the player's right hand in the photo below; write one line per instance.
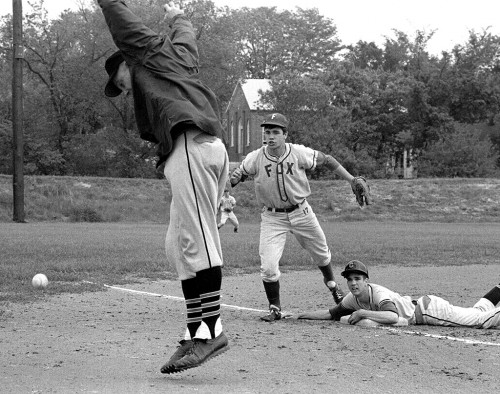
(236, 176)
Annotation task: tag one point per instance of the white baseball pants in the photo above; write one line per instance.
(438, 312)
(274, 227)
(197, 170)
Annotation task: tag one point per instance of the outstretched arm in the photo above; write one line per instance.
(316, 315)
(126, 28)
(332, 164)
(358, 184)
(334, 313)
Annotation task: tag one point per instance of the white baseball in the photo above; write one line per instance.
(39, 281)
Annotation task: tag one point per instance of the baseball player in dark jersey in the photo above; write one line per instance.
(374, 303)
(177, 111)
(281, 186)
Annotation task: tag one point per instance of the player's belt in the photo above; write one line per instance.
(419, 319)
(288, 209)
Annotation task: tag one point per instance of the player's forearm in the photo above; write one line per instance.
(382, 317)
(333, 165)
(316, 315)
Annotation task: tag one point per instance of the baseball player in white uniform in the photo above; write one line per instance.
(381, 305)
(281, 186)
(226, 209)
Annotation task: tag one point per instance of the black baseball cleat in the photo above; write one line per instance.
(274, 314)
(236, 229)
(337, 294)
(201, 351)
(182, 350)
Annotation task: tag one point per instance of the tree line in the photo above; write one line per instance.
(362, 103)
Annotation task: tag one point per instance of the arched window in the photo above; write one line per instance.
(248, 132)
(231, 135)
(240, 136)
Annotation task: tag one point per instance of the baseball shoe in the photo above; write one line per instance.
(274, 314)
(236, 229)
(201, 351)
(337, 294)
(182, 350)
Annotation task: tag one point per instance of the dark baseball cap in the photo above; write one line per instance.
(111, 66)
(275, 119)
(354, 267)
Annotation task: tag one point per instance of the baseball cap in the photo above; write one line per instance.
(111, 66)
(275, 119)
(354, 266)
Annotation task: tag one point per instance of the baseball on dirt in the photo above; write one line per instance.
(39, 281)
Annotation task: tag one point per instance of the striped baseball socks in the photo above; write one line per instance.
(193, 306)
(209, 282)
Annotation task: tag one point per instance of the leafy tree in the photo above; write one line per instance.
(475, 79)
(271, 42)
(365, 55)
(460, 153)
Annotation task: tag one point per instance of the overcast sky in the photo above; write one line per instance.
(370, 20)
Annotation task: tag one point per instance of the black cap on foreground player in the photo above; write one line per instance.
(275, 119)
(354, 266)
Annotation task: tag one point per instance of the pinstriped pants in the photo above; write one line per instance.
(197, 170)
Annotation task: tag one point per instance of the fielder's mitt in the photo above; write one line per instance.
(227, 210)
(361, 190)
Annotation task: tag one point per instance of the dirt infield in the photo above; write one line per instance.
(115, 341)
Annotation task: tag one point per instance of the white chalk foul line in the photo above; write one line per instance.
(467, 341)
(241, 308)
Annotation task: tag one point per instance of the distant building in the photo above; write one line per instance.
(244, 114)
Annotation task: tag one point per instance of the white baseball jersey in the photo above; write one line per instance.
(380, 296)
(227, 203)
(280, 182)
(434, 311)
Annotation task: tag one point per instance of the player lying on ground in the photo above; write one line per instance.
(281, 186)
(381, 305)
(177, 111)
(226, 209)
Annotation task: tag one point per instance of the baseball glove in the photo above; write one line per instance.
(361, 190)
(227, 210)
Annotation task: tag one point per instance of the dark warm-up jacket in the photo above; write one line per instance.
(168, 96)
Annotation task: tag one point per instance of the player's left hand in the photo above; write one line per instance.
(356, 316)
(171, 10)
(361, 190)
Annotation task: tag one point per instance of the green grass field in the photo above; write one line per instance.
(116, 253)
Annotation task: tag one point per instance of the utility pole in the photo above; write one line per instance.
(17, 110)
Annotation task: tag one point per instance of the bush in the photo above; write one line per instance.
(462, 153)
(84, 213)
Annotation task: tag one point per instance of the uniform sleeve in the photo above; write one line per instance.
(307, 157)
(128, 31)
(249, 164)
(139, 43)
(183, 37)
(388, 305)
(383, 300)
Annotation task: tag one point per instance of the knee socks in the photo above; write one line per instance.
(273, 293)
(493, 295)
(193, 305)
(209, 282)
